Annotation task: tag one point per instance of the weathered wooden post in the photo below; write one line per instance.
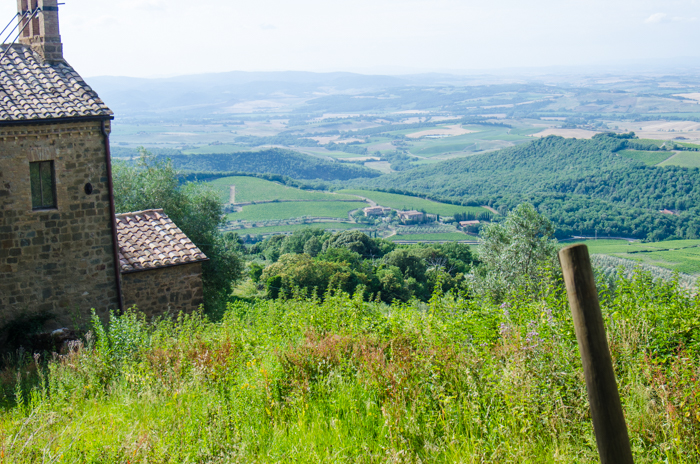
(603, 397)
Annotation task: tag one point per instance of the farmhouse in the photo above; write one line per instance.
(59, 249)
(411, 217)
(468, 223)
(376, 211)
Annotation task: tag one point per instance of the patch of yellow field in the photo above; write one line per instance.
(334, 138)
(567, 133)
(449, 131)
(689, 96)
(682, 131)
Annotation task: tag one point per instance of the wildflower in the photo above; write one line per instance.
(550, 316)
(533, 336)
(505, 306)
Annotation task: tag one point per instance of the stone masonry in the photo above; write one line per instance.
(57, 264)
(164, 290)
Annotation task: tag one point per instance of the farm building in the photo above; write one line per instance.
(161, 268)
(468, 223)
(58, 229)
(376, 211)
(411, 217)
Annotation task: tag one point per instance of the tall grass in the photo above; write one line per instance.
(343, 380)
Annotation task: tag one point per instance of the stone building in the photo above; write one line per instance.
(411, 217)
(161, 268)
(57, 247)
(59, 254)
(376, 211)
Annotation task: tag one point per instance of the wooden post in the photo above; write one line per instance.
(603, 397)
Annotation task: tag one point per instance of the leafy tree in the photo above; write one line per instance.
(513, 253)
(356, 241)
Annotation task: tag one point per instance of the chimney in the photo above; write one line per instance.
(42, 32)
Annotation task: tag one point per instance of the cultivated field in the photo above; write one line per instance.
(332, 226)
(403, 202)
(255, 189)
(677, 255)
(686, 159)
(289, 210)
(567, 133)
(650, 158)
(447, 131)
(439, 237)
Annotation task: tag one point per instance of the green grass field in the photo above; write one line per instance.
(294, 227)
(650, 158)
(269, 211)
(684, 159)
(482, 139)
(676, 255)
(254, 189)
(404, 202)
(444, 237)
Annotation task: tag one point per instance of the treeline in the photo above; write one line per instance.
(313, 261)
(271, 161)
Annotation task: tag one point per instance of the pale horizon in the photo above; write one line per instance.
(159, 38)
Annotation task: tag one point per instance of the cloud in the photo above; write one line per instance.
(658, 18)
(268, 27)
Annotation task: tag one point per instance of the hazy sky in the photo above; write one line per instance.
(170, 37)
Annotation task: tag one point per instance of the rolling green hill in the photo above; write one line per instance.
(584, 186)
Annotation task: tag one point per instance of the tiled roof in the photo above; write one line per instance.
(33, 90)
(150, 240)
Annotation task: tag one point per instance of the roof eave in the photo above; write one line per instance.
(34, 122)
(134, 271)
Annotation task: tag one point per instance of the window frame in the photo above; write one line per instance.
(44, 204)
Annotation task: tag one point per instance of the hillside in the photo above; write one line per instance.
(584, 186)
(271, 161)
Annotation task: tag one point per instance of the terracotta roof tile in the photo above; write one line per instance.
(150, 240)
(33, 90)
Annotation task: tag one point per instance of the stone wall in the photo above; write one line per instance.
(164, 290)
(57, 264)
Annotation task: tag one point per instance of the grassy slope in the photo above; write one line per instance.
(448, 237)
(650, 158)
(254, 189)
(268, 211)
(293, 227)
(685, 159)
(344, 381)
(404, 202)
(677, 255)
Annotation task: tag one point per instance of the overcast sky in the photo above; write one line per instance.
(148, 38)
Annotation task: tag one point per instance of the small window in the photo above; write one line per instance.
(43, 185)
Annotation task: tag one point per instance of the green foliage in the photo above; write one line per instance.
(355, 241)
(343, 380)
(194, 207)
(313, 262)
(272, 161)
(514, 253)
